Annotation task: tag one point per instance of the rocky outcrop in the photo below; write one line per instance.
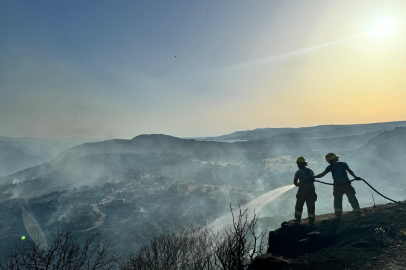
(354, 242)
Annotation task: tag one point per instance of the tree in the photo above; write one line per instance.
(240, 244)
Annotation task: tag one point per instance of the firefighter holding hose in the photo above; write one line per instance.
(339, 172)
(306, 193)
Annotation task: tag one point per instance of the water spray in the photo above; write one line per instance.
(253, 206)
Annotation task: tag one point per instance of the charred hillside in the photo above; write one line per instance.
(375, 241)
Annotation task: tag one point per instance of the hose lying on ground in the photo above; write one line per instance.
(349, 182)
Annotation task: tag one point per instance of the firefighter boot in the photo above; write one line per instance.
(357, 212)
(338, 212)
(298, 217)
(338, 203)
(312, 219)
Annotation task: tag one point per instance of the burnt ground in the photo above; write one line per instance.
(375, 241)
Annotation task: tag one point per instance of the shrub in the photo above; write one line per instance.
(202, 248)
(63, 252)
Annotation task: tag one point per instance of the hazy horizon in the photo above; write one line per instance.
(183, 137)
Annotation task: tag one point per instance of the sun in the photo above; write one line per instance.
(383, 28)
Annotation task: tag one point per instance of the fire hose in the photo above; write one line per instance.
(349, 182)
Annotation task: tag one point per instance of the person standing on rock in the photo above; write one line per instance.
(306, 192)
(339, 172)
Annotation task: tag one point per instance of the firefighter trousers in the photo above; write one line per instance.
(339, 192)
(306, 194)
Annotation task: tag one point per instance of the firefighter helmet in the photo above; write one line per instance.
(330, 157)
(300, 160)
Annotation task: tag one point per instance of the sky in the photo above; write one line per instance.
(117, 69)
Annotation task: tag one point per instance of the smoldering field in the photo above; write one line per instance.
(129, 190)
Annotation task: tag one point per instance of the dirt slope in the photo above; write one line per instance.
(375, 241)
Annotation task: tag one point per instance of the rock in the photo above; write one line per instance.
(361, 244)
(315, 236)
(280, 243)
(269, 261)
(302, 245)
(334, 226)
(350, 241)
(283, 241)
(318, 240)
(286, 224)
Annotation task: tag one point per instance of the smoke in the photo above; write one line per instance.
(16, 181)
(20, 153)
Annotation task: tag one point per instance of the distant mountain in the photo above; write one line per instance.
(252, 151)
(116, 160)
(102, 162)
(154, 143)
(296, 141)
(316, 131)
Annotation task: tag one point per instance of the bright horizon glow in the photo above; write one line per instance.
(384, 28)
(381, 29)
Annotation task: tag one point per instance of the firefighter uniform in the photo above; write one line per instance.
(306, 193)
(340, 177)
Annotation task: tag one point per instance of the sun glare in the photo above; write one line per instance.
(383, 28)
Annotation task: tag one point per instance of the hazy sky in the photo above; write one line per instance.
(198, 68)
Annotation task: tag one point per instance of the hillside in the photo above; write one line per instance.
(375, 241)
(170, 157)
(157, 183)
(310, 132)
